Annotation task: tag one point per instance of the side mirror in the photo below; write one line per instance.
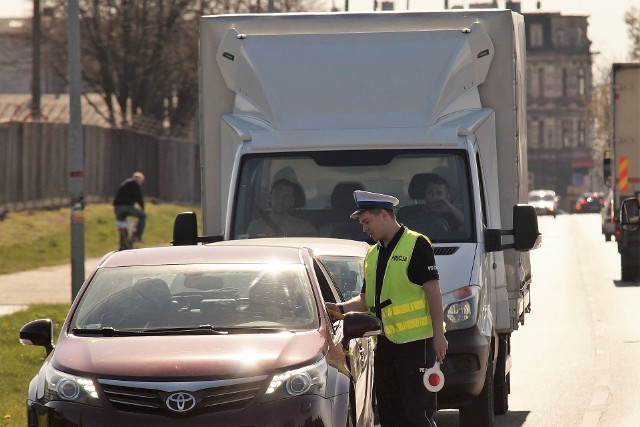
(185, 229)
(630, 214)
(525, 228)
(38, 332)
(525, 232)
(358, 325)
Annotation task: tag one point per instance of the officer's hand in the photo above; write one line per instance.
(440, 346)
(334, 311)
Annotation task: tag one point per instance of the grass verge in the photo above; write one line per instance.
(21, 363)
(34, 239)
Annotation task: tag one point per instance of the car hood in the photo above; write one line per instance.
(187, 356)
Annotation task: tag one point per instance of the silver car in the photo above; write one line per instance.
(544, 201)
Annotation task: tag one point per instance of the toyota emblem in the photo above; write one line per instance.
(180, 401)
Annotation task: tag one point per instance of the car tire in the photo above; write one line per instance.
(480, 413)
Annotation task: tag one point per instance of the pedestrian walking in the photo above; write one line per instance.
(129, 194)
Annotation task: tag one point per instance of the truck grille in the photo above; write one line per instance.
(210, 396)
(445, 250)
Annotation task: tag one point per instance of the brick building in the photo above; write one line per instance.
(559, 129)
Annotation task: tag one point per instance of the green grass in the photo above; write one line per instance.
(43, 238)
(21, 363)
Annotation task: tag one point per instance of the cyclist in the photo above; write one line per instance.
(129, 193)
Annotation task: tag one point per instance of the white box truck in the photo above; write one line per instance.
(622, 160)
(383, 102)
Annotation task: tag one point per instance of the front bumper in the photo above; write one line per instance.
(297, 411)
(464, 368)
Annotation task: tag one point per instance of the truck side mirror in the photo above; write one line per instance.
(630, 214)
(606, 171)
(185, 229)
(525, 228)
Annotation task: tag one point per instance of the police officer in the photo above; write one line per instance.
(401, 288)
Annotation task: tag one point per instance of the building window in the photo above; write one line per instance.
(581, 82)
(535, 35)
(541, 82)
(541, 134)
(565, 82)
(582, 137)
(549, 138)
(566, 132)
(580, 38)
(560, 39)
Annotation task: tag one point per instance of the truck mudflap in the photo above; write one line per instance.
(464, 368)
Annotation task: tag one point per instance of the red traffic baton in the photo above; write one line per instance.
(433, 378)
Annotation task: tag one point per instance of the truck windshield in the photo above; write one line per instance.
(311, 193)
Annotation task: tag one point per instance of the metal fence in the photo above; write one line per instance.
(34, 172)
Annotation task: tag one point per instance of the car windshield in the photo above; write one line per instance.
(226, 297)
(311, 193)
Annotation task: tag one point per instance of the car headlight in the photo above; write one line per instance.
(71, 388)
(462, 313)
(310, 379)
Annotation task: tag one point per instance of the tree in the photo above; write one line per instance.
(142, 55)
(632, 19)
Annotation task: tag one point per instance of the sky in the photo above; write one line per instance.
(607, 29)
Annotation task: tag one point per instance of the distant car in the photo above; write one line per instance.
(544, 201)
(590, 203)
(221, 334)
(608, 218)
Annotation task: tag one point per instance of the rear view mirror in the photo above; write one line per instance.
(630, 214)
(185, 229)
(38, 332)
(525, 228)
(358, 325)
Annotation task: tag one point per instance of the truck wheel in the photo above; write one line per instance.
(480, 412)
(501, 395)
(628, 268)
(502, 382)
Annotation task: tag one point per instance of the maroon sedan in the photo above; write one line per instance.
(224, 334)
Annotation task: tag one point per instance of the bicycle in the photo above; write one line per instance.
(126, 228)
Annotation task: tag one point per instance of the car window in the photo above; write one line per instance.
(347, 272)
(329, 291)
(187, 296)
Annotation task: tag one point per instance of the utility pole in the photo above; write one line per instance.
(75, 152)
(35, 62)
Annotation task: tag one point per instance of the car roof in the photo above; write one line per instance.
(205, 254)
(320, 246)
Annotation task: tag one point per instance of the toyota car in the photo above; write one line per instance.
(225, 334)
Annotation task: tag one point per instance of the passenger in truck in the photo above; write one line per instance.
(280, 222)
(437, 203)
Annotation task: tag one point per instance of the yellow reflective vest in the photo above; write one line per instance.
(405, 311)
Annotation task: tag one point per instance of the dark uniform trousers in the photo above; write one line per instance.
(402, 398)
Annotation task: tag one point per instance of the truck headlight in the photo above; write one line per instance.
(462, 313)
(71, 388)
(310, 379)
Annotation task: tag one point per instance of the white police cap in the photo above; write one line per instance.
(367, 200)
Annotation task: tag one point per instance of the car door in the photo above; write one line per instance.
(360, 355)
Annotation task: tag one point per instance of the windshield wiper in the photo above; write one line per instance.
(106, 332)
(112, 332)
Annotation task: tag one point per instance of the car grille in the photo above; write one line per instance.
(211, 396)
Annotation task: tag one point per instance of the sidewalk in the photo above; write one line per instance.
(45, 285)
